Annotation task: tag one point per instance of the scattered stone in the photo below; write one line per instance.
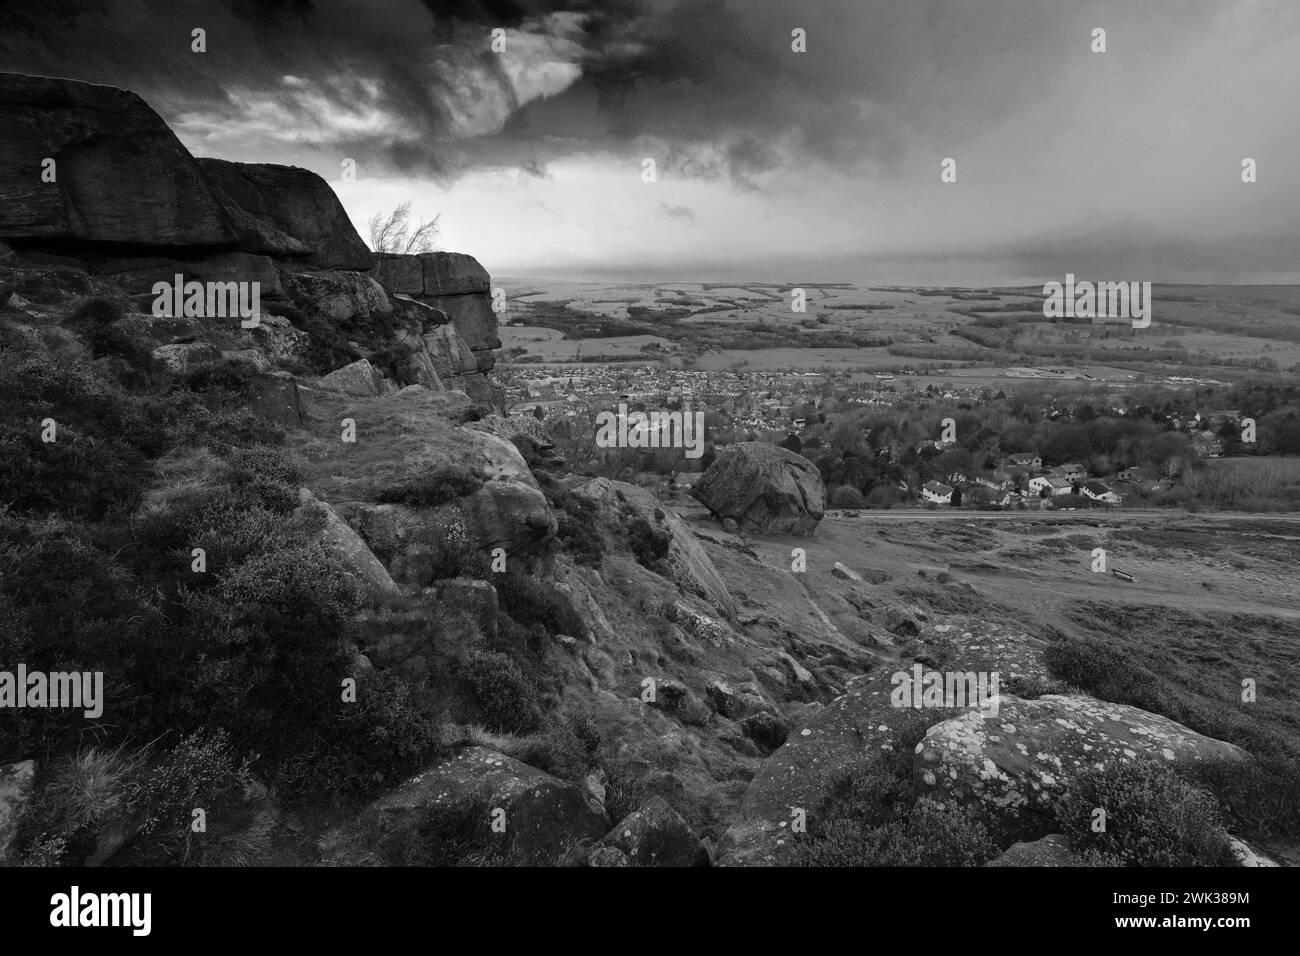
(359, 378)
(847, 574)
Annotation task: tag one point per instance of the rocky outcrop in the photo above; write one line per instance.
(341, 296)
(1010, 769)
(686, 562)
(127, 202)
(300, 204)
(764, 488)
(426, 488)
(526, 433)
(541, 818)
(456, 285)
(656, 835)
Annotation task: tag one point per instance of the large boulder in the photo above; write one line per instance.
(1010, 769)
(297, 202)
(764, 488)
(686, 563)
(544, 817)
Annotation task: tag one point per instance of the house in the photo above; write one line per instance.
(1053, 485)
(1207, 445)
(1026, 459)
(1139, 474)
(993, 482)
(1070, 472)
(1098, 492)
(937, 492)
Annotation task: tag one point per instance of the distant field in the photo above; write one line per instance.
(1219, 330)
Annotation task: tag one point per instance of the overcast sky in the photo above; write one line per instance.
(772, 165)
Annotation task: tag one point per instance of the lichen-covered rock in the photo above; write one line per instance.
(686, 563)
(544, 817)
(656, 835)
(764, 488)
(981, 646)
(1009, 769)
(1051, 850)
(185, 356)
(341, 296)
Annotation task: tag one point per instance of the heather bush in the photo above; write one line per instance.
(1153, 817)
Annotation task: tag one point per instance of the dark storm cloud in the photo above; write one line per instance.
(399, 77)
(412, 80)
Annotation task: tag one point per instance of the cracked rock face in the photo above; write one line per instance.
(764, 488)
(1010, 769)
